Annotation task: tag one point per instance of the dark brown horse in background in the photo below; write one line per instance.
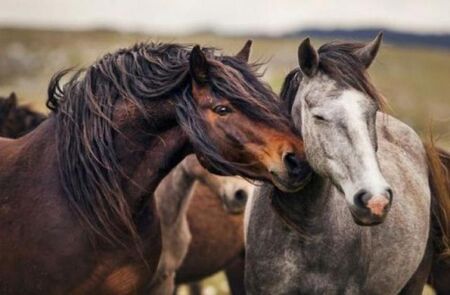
(215, 246)
(16, 121)
(76, 208)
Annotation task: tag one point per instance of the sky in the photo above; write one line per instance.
(227, 16)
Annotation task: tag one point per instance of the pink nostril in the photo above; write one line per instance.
(377, 204)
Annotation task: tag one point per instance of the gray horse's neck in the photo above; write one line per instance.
(309, 213)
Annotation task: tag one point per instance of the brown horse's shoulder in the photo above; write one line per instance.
(113, 277)
(8, 149)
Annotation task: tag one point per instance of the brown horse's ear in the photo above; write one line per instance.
(308, 58)
(368, 53)
(244, 53)
(198, 65)
(12, 99)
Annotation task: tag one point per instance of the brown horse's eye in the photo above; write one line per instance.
(221, 110)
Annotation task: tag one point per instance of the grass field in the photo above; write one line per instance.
(415, 81)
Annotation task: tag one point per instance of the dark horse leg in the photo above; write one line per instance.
(440, 276)
(417, 282)
(235, 275)
(195, 288)
(440, 271)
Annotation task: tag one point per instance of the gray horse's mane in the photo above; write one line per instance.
(339, 62)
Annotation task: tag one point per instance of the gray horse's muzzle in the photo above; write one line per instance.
(371, 209)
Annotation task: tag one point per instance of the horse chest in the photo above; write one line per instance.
(126, 278)
(118, 273)
(281, 261)
(323, 265)
(343, 259)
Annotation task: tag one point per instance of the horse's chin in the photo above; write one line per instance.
(366, 220)
(288, 185)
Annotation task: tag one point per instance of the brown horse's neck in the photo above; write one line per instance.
(148, 151)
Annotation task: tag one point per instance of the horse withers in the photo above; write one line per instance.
(362, 224)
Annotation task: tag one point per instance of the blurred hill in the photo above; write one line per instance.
(390, 36)
(414, 79)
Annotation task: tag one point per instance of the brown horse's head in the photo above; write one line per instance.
(6, 105)
(236, 124)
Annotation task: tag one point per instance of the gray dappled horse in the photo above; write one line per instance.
(367, 165)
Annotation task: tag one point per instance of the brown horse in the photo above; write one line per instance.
(213, 213)
(217, 242)
(16, 121)
(213, 200)
(76, 208)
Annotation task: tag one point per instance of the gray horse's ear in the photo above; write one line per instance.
(244, 53)
(198, 65)
(368, 53)
(308, 58)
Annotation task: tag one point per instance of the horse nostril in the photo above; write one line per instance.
(240, 195)
(292, 162)
(390, 194)
(361, 198)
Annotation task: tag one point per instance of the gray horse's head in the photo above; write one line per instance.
(335, 108)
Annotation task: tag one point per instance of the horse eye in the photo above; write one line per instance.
(222, 110)
(319, 118)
